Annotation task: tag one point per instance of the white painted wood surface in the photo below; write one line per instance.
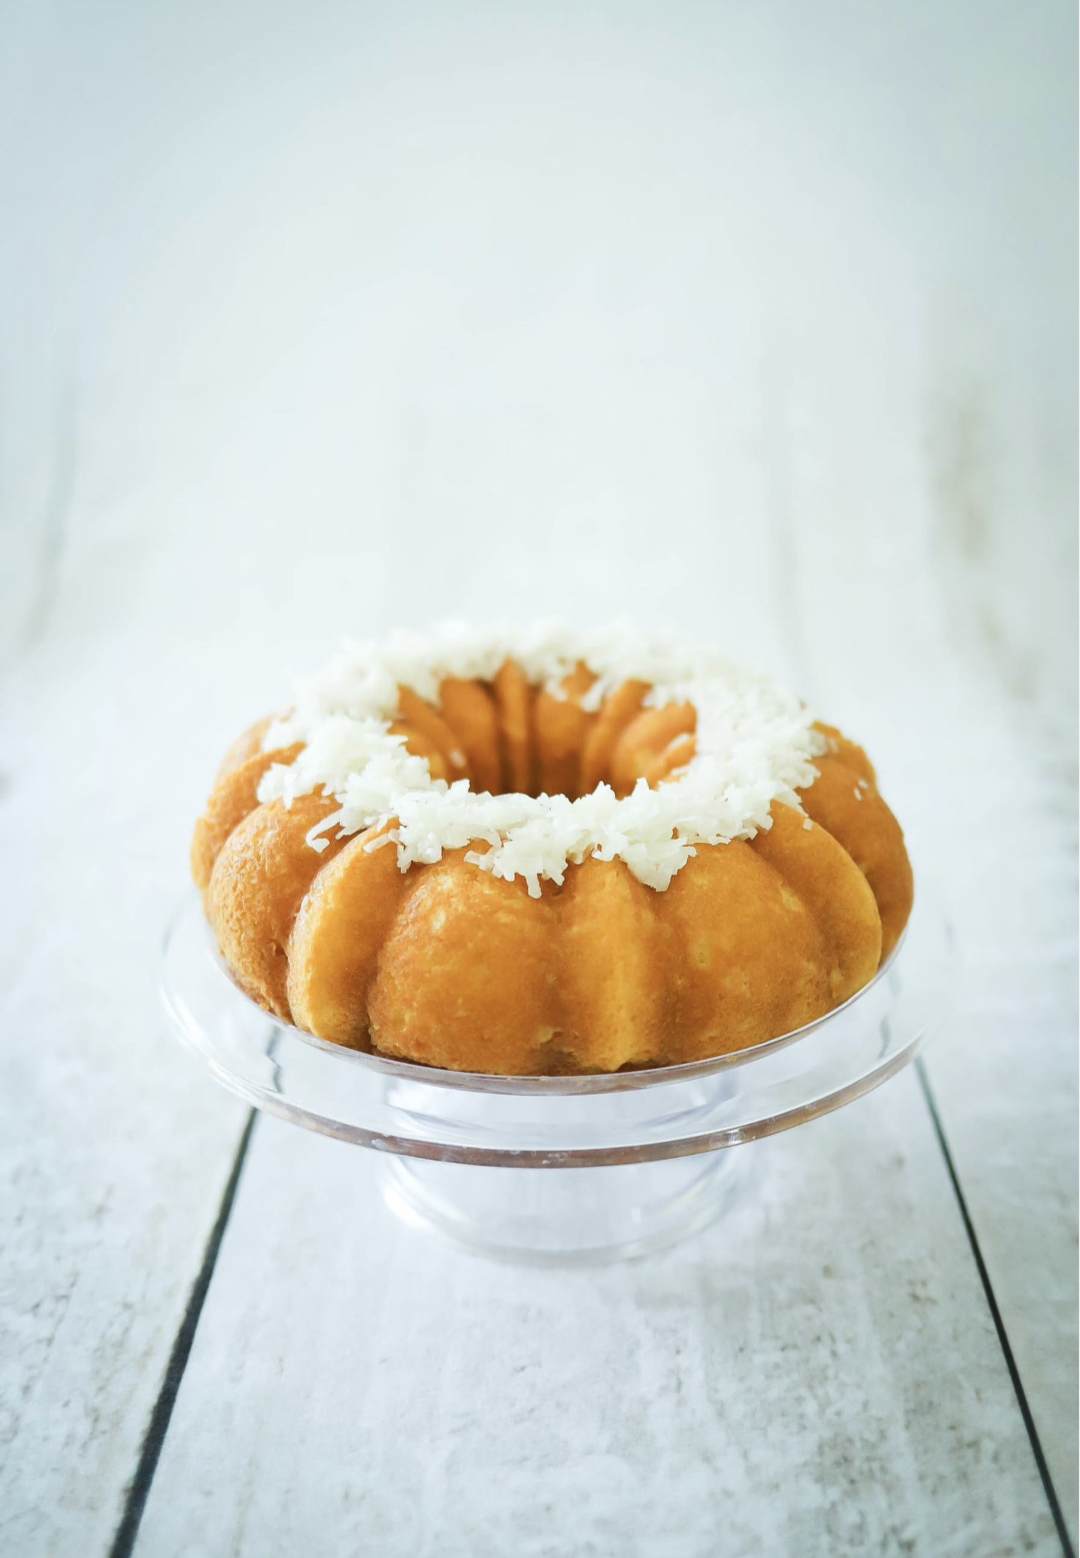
(112, 1156)
(816, 1374)
(940, 666)
(333, 325)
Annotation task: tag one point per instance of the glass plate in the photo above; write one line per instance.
(629, 1142)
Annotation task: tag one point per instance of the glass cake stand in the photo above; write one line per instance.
(641, 1156)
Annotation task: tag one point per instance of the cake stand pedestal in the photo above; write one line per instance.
(559, 1169)
(575, 1217)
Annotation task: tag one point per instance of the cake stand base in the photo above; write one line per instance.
(564, 1216)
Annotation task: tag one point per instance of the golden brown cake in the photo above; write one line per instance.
(533, 853)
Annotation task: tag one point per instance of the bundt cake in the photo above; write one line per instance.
(536, 854)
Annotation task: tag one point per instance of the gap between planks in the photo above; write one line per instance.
(995, 1314)
(139, 1488)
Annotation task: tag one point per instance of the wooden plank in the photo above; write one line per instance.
(113, 1152)
(973, 738)
(818, 1373)
(1006, 1081)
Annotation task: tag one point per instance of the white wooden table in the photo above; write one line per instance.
(751, 327)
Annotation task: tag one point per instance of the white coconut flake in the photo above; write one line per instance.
(755, 744)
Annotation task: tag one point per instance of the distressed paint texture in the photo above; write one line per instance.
(113, 1154)
(817, 1374)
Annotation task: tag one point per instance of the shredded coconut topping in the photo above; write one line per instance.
(755, 745)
